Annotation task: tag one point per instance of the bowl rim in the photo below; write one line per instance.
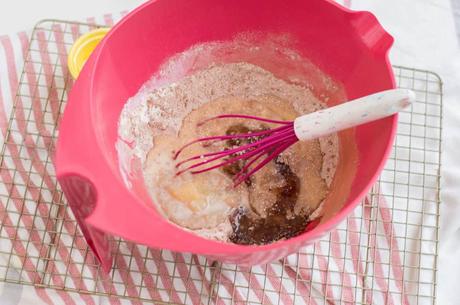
(302, 239)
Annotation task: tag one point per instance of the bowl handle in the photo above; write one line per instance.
(81, 197)
(94, 192)
(101, 202)
(72, 160)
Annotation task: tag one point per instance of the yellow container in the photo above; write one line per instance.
(82, 49)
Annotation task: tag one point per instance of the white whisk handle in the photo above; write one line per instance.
(352, 113)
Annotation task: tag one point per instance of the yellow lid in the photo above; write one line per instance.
(82, 49)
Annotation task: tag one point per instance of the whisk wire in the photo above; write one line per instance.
(231, 137)
(243, 116)
(243, 152)
(228, 151)
(251, 161)
(272, 155)
(269, 143)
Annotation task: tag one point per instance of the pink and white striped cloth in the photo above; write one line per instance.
(367, 260)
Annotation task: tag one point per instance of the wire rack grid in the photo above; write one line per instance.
(382, 251)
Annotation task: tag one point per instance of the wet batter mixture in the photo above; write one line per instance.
(277, 202)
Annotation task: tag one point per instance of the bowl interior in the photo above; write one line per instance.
(350, 47)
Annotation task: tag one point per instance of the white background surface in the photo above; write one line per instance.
(425, 38)
(18, 15)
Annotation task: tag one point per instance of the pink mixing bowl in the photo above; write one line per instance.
(349, 46)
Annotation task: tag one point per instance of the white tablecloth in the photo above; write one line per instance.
(426, 36)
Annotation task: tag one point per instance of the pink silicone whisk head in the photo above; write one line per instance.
(263, 146)
(272, 142)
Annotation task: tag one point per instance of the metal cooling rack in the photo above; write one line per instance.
(40, 244)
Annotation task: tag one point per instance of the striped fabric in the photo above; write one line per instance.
(335, 272)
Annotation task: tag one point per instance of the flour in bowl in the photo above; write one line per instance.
(276, 203)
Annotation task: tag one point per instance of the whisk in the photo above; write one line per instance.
(266, 145)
